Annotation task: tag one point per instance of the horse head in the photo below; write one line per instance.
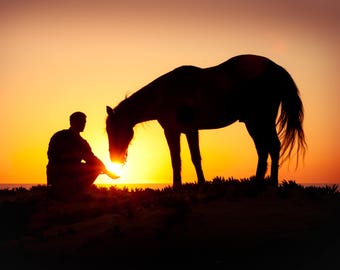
(120, 134)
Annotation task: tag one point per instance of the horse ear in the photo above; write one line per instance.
(109, 110)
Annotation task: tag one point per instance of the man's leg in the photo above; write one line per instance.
(87, 175)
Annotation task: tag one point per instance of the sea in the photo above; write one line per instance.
(130, 186)
(133, 186)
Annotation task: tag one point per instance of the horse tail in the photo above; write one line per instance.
(290, 120)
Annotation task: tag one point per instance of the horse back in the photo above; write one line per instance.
(237, 89)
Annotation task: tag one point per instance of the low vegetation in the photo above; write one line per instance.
(18, 205)
(213, 222)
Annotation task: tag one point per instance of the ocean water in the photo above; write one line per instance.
(128, 186)
(131, 186)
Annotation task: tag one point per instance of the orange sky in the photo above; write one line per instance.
(61, 56)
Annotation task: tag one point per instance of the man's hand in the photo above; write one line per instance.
(111, 175)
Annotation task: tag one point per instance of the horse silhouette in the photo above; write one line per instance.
(248, 88)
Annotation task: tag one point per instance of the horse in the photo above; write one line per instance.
(251, 89)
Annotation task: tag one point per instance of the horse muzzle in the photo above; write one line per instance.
(118, 158)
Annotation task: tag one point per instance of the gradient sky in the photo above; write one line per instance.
(58, 57)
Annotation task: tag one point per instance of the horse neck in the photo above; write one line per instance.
(140, 107)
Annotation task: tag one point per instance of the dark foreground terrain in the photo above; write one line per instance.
(224, 224)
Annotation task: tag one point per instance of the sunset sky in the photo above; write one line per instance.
(58, 57)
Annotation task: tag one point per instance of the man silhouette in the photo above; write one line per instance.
(72, 167)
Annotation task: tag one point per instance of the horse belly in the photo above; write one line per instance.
(205, 116)
(213, 119)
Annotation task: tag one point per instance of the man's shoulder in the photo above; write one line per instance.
(60, 135)
(67, 134)
(62, 132)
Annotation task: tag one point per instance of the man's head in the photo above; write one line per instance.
(78, 121)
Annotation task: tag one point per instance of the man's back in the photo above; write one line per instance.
(67, 146)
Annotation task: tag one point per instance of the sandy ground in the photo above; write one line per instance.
(221, 228)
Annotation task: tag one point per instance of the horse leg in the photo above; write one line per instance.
(173, 139)
(262, 153)
(274, 151)
(258, 136)
(193, 142)
(266, 142)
